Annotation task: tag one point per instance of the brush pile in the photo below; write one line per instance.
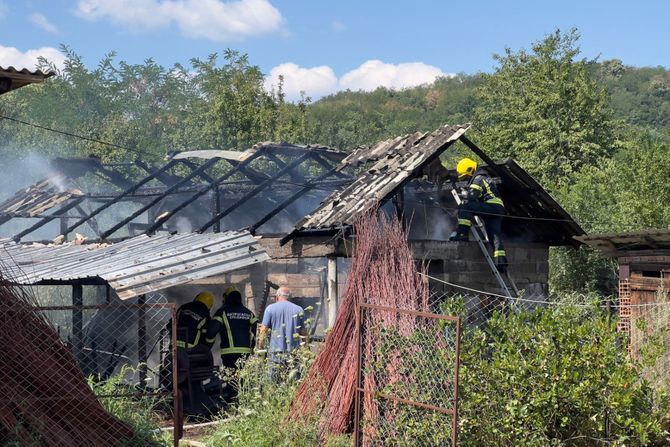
(44, 397)
(382, 273)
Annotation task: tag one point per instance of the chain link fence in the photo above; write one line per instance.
(407, 393)
(88, 375)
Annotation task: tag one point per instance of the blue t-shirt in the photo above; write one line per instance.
(285, 319)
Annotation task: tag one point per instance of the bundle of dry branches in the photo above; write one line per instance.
(384, 273)
(44, 397)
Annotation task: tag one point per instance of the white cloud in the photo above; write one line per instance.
(12, 57)
(315, 82)
(42, 22)
(375, 73)
(321, 81)
(211, 19)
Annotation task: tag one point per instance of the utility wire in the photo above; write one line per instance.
(74, 135)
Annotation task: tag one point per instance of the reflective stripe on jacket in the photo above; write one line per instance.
(192, 323)
(237, 327)
(482, 188)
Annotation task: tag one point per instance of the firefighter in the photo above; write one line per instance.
(481, 198)
(236, 326)
(193, 320)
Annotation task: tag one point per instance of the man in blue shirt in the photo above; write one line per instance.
(286, 322)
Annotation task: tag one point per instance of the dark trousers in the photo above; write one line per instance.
(230, 361)
(492, 215)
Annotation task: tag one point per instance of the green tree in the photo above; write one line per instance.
(146, 109)
(544, 109)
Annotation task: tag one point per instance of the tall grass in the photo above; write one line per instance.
(258, 419)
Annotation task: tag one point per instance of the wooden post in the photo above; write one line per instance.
(142, 339)
(77, 321)
(332, 290)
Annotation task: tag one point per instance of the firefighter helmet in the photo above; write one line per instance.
(206, 297)
(466, 168)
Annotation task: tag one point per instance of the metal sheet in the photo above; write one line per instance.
(135, 266)
(209, 154)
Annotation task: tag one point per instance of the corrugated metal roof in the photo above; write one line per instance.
(614, 244)
(397, 161)
(20, 78)
(138, 265)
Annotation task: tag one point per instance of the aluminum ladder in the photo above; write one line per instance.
(506, 283)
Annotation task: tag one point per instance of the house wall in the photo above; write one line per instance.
(463, 263)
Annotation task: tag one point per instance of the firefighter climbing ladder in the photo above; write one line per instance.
(479, 233)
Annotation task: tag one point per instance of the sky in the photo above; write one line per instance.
(321, 47)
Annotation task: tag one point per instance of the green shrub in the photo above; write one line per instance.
(556, 376)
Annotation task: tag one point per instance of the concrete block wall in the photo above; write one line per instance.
(463, 263)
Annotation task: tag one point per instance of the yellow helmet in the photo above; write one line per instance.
(206, 297)
(228, 291)
(466, 168)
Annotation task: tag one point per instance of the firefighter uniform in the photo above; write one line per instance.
(236, 326)
(483, 199)
(192, 322)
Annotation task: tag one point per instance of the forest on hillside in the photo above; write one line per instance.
(596, 134)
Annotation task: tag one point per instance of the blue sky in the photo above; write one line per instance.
(322, 47)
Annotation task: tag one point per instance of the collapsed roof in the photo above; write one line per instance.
(259, 189)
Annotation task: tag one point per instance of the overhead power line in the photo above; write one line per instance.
(74, 135)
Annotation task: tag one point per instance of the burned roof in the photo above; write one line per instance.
(135, 266)
(11, 78)
(37, 199)
(403, 158)
(267, 147)
(211, 189)
(617, 244)
(533, 215)
(271, 186)
(397, 164)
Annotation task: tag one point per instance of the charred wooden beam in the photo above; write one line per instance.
(236, 168)
(114, 177)
(305, 189)
(328, 166)
(164, 177)
(167, 192)
(125, 193)
(93, 223)
(60, 212)
(287, 169)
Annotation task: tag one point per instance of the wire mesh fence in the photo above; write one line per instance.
(97, 375)
(407, 392)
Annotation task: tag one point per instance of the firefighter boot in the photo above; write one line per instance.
(461, 234)
(500, 260)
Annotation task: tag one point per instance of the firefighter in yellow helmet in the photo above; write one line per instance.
(236, 326)
(193, 319)
(482, 198)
